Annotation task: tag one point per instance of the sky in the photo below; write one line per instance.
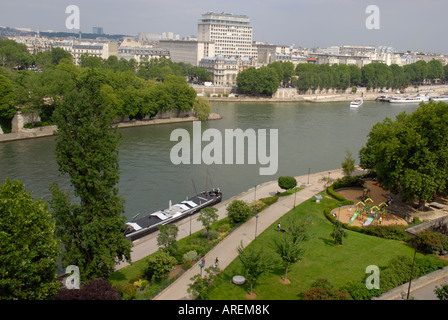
(403, 24)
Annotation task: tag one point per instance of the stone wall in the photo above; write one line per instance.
(438, 225)
(20, 119)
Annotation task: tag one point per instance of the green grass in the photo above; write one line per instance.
(339, 264)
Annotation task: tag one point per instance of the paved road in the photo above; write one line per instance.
(226, 250)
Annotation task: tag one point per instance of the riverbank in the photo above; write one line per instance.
(291, 94)
(50, 130)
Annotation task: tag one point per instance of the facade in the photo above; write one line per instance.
(141, 53)
(101, 50)
(231, 34)
(225, 70)
(188, 51)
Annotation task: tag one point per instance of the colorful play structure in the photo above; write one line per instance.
(365, 209)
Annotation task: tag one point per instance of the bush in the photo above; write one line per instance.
(428, 264)
(287, 183)
(159, 266)
(322, 289)
(388, 232)
(269, 200)
(189, 258)
(358, 291)
(238, 211)
(430, 241)
(257, 205)
(97, 289)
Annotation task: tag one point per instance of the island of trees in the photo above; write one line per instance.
(38, 82)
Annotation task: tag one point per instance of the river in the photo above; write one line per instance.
(312, 137)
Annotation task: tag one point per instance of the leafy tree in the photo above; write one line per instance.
(202, 108)
(208, 216)
(202, 286)
(167, 236)
(290, 251)
(255, 262)
(7, 102)
(238, 211)
(287, 182)
(262, 81)
(28, 247)
(87, 150)
(442, 292)
(348, 165)
(435, 70)
(409, 154)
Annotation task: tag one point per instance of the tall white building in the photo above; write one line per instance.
(231, 34)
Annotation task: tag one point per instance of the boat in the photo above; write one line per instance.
(383, 99)
(146, 225)
(410, 99)
(356, 103)
(439, 98)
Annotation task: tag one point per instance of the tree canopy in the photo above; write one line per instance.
(410, 155)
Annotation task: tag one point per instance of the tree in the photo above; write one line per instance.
(290, 251)
(167, 236)
(409, 154)
(287, 182)
(28, 247)
(435, 70)
(87, 150)
(255, 262)
(442, 292)
(208, 216)
(238, 211)
(348, 165)
(7, 103)
(202, 108)
(202, 286)
(338, 233)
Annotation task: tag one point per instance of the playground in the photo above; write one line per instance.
(371, 206)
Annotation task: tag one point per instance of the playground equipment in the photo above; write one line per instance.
(365, 194)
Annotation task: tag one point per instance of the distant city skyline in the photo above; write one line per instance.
(405, 25)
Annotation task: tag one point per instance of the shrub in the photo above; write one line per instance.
(358, 291)
(96, 289)
(127, 291)
(257, 205)
(238, 211)
(190, 257)
(287, 182)
(427, 264)
(269, 200)
(159, 266)
(430, 241)
(322, 289)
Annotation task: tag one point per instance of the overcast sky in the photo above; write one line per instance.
(404, 24)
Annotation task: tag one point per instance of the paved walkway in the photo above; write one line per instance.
(226, 250)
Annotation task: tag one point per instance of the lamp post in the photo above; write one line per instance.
(295, 193)
(339, 211)
(255, 194)
(190, 221)
(410, 278)
(309, 169)
(256, 225)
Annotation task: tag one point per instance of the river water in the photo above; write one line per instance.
(312, 137)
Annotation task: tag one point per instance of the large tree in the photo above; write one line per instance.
(28, 247)
(410, 154)
(87, 150)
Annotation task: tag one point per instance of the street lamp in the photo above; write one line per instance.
(309, 169)
(256, 225)
(339, 210)
(191, 213)
(255, 194)
(295, 193)
(410, 278)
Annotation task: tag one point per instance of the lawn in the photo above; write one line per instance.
(323, 259)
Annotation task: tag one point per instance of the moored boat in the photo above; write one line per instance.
(439, 98)
(410, 99)
(146, 225)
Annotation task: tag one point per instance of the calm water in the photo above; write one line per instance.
(311, 136)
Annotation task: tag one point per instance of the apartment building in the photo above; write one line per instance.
(188, 51)
(231, 34)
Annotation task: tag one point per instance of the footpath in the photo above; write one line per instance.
(226, 250)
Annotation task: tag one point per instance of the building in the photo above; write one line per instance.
(97, 30)
(224, 71)
(141, 53)
(231, 34)
(188, 51)
(101, 50)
